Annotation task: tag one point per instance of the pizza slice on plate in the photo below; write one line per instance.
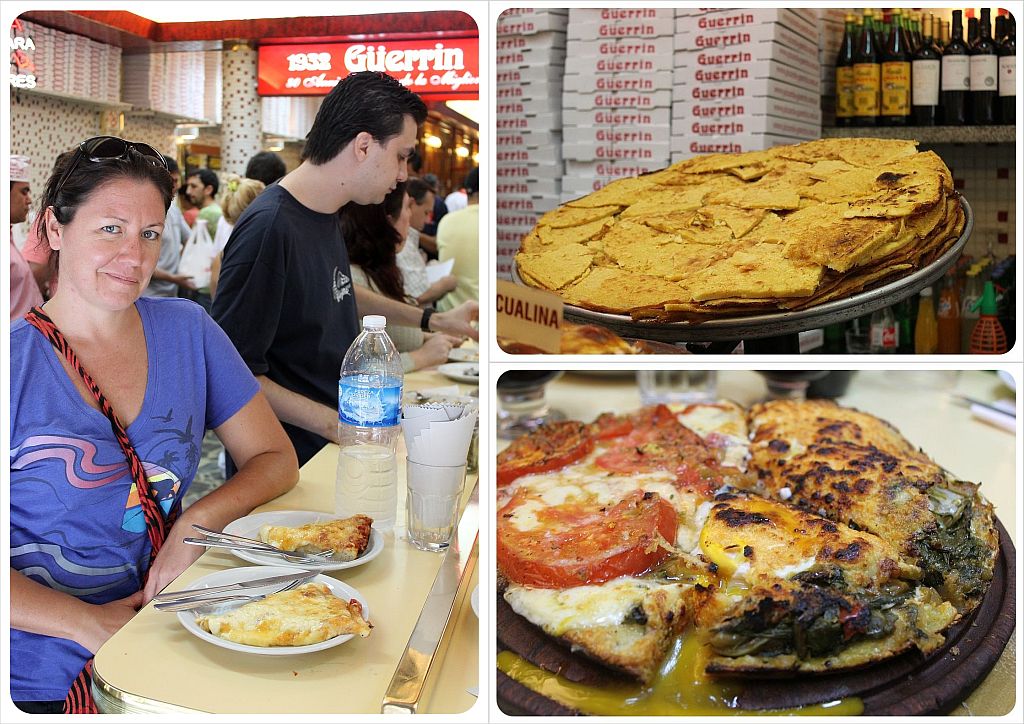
(348, 537)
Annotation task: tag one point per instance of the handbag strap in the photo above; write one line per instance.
(156, 525)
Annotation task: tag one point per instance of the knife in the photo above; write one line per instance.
(431, 635)
(241, 585)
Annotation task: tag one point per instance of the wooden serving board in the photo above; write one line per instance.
(907, 685)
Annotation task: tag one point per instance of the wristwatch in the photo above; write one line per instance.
(425, 319)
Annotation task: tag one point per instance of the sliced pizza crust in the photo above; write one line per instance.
(348, 538)
(306, 615)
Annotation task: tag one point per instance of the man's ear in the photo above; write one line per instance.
(53, 229)
(361, 145)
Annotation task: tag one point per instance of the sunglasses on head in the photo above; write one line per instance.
(110, 148)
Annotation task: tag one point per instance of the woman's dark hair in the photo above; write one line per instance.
(418, 189)
(372, 241)
(366, 101)
(87, 177)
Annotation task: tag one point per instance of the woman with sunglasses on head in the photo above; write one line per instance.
(111, 394)
(373, 235)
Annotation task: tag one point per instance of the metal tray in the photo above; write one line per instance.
(774, 324)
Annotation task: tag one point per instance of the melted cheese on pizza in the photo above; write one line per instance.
(348, 538)
(306, 615)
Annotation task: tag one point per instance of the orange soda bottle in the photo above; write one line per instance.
(948, 314)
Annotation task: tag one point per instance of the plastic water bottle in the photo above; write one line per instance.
(369, 424)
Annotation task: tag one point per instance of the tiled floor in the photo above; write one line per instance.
(209, 476)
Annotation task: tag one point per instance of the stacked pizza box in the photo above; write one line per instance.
(617, 97)
(144, 80)
(211, 86)
(830, 37)
(529, 65)
(744, 80)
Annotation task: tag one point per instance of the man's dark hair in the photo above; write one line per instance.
(418, 189)
(472, 182)
(207, 177)
(172, 165)
(265, 166)
(415, 162)
(366, 101)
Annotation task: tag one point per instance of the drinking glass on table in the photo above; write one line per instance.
(677, 386)
(522, 406)
(785, 385)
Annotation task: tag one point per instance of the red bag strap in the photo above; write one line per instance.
(156, 525)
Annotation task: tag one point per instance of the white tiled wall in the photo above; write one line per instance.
(985, 175)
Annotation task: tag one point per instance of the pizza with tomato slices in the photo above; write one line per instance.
(796, 537)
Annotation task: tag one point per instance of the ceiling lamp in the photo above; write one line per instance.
(432, 140)
(462, 152)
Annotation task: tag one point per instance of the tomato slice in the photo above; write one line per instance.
(578, 543)
(549, 447)
(609, 425)
(660, 442)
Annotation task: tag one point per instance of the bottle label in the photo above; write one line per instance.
(885, 337)
(364, 405)
(896, 89)
(1008, 76)
(866, 87)
(925, 79)
(844, 92)
(984, 69)
(956, 73)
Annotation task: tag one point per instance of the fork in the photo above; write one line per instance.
(308, 558)
(188, 604)
(261, 545)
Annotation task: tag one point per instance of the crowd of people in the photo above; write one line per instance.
(115, 378)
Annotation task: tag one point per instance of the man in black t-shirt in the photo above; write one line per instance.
(285, 295)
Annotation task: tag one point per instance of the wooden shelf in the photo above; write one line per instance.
(105, 105)
(929, 134)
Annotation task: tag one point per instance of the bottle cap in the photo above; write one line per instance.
(926, 292)
(374, 321)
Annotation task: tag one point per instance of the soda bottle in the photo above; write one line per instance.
(885, 336)
(369, 425)
(968, 309)
(926, 332)
(948, 314)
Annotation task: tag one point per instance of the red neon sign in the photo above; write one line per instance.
(437, 69)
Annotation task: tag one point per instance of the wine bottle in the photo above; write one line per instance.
(895, 59)
(844, 74)
(972, 27)
(917, 31)
(926, 68)
(1000, 31)
(866, 75)
(984, 66)
(956, 77)
(1007, 53)
(945, 35)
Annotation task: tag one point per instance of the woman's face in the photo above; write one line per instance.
(401, 224)
(421, 212)
(110, 248)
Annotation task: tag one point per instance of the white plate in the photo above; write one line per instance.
(1007, 379)
(249, 573)
(249, 527)
(468, 372)
(474, 601)
(464, 354)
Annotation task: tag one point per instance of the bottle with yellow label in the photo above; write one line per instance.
(896, 59)
(866, 75)
(844, 74)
